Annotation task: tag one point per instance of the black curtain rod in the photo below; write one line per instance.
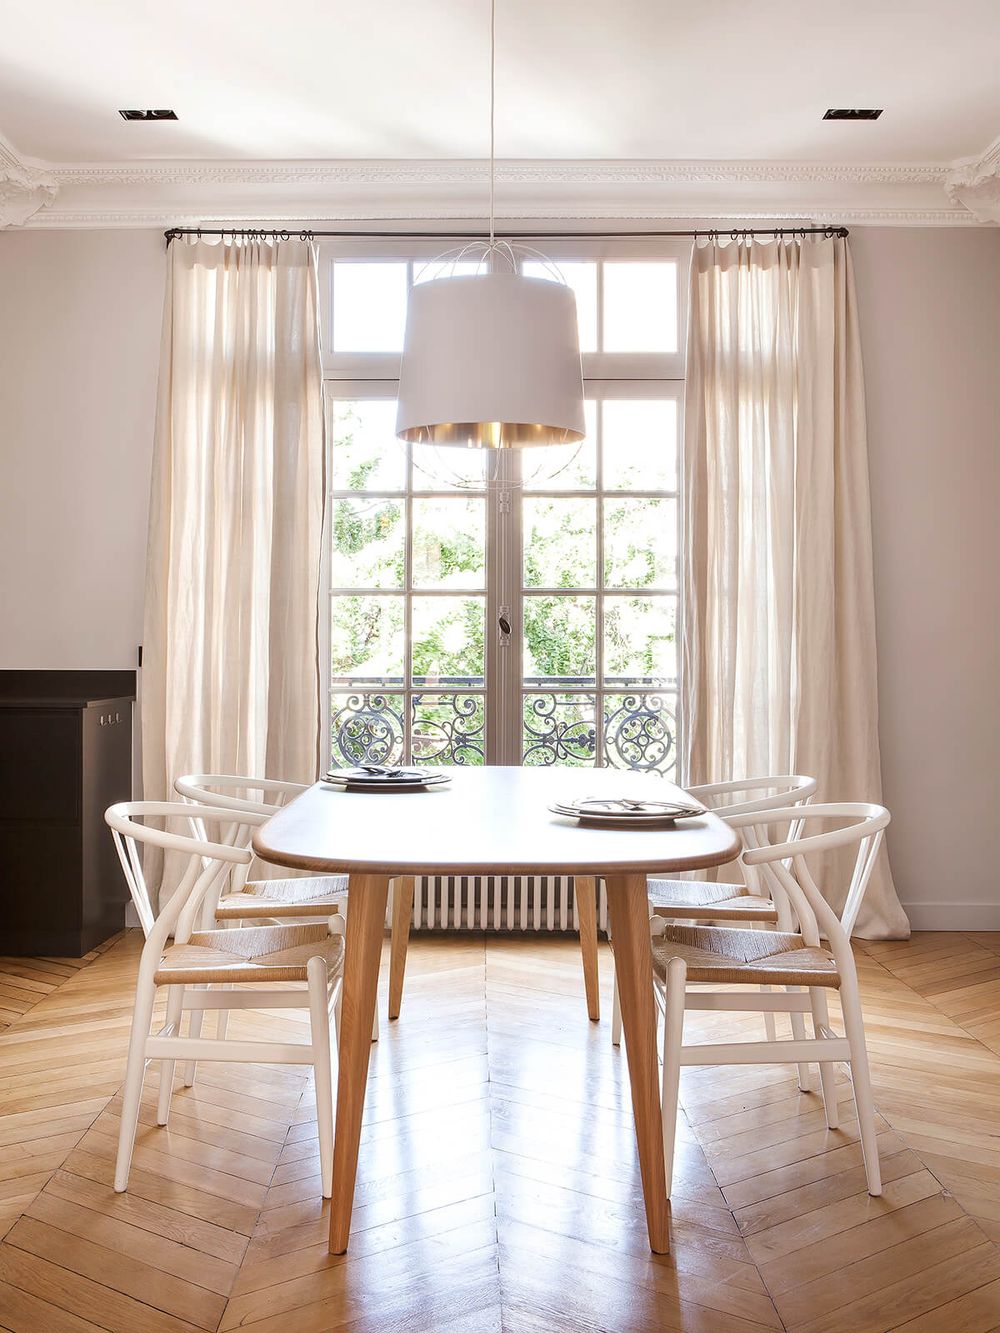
(309, 233)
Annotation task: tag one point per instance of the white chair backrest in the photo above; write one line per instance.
(755, 794)
(230, 790)
(785, 865)
(208, 862)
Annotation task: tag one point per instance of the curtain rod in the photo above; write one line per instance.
(309, 233)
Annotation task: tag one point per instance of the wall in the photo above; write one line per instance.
(930, 323)
(79, 345)
(79, 333)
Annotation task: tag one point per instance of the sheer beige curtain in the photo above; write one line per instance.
(779, 635)
(230, 650)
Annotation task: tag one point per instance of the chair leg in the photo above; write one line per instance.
(319, 1021)
(132, 1091)
(821, 1019)
(770, 1031)
(798, 1021)
(175, 1009)
(616, 1015)
(854, 1030)
(194, 1032)
(673, 1039)
(402, 914)
(222, 1022)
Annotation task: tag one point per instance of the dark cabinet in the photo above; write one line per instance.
(65, 755)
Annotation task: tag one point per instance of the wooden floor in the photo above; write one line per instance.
(498, 1188)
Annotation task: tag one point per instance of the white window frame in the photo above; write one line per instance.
(374, 375)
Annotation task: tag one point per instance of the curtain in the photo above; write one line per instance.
(230, 644)
(779, 618)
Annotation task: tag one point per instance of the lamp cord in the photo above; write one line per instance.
(493, 65)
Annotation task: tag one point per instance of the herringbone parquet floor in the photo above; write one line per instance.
(498, 1187)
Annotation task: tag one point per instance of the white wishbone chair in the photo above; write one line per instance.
(280, 958)
(293, 899)
(708, 900)
(721, 956)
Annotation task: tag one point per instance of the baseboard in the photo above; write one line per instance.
(953, 916)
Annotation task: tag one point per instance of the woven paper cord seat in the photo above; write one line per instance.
(261, 954)
(705, 901)
(743, 957)
(283, 897)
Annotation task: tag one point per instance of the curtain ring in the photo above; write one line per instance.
(284, 235)
(303, 235)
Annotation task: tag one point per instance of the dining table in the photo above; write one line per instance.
(493, 820)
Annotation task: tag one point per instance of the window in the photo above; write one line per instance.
(532, 620)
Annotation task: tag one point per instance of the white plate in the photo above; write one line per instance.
(622, 817)
(355, 781)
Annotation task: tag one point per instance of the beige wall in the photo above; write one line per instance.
(930, 323)
(79, 332)
(79, 343)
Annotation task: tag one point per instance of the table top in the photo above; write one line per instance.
(489, 820)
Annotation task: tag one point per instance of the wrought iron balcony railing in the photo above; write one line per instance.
(629, 723)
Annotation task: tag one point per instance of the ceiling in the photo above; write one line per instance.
(591, 79)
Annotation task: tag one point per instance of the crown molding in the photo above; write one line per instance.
(464, 172)
(24, 188)
(975, 184)
(178, 193)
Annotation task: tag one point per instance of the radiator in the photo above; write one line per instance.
(499, 902)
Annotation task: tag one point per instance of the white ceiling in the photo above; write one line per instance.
(591, 79)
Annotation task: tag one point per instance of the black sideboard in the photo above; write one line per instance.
(65, 755)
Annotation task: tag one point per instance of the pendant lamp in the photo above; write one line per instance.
(491, 361)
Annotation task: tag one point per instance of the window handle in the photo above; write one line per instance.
(504, 624)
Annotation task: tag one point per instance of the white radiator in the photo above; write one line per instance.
(499, 902)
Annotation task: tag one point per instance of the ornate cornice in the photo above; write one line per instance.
(463, 172)
(974, 183)
(170, 193)
(24, 189)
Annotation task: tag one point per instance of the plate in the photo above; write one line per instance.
(627, 814)
(401, 779)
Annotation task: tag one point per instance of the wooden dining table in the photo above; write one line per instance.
(492, 821)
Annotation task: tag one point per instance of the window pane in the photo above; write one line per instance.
(639, 640)
(640, 732)
(366, 637)
(640, 543)
(559, 640)
(366, 728)
(444, 468)
(564, 467)
(559, 729)
(369, 306)
(368, 538)
(448, 640)
(639, 445)
(449, 729)
(640, 306)
(582, 277)
(449, 543)
(560, 543)
(365, 454)
(445, 268)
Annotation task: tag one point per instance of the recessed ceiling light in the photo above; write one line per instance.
(847, 113)
(148, 115)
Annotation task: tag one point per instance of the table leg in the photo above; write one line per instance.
(402, 912)
(585, 894)
(628, 907)
(365, 927)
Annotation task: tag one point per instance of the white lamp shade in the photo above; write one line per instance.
(491, 362)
